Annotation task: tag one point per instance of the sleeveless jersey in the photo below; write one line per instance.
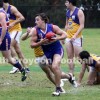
(38, 51)
(41, 35)
(95, 57)
(5, 45)
(73, 23)
(12, 18)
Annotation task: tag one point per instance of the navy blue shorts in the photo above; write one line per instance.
(5, 43)
(51, 54)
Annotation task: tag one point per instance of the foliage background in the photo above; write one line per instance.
(56, 10)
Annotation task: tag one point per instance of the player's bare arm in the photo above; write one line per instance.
(82, 72)
(19, 16)
(81, 21)
(60, 32)
(66, 25)
(34, 37)
(26, 35)
(4, 26)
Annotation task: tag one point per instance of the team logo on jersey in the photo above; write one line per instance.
(8, 15)
(73, 17)
(40, 35)
(69, 23)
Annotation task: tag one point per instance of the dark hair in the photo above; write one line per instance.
(6, 1)
(1, 3)
(73, 2)
(84, 55)
(44, 17)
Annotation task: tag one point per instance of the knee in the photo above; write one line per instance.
(55, 68)
(9, 60)
(70, 56)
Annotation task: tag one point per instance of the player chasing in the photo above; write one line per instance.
(15, 31)
(5, 42)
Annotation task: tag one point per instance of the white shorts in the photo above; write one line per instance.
(42, 61)
(77, 41)
(92, 69)
(16, 35)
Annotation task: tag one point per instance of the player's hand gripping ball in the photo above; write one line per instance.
(50, 36)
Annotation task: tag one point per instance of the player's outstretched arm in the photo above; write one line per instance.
(26, 35)
(33, 41)
(18, 15)
(81, 74)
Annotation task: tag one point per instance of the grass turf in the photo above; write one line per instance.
(38, 87)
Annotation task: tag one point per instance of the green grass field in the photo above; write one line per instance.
(38, 87)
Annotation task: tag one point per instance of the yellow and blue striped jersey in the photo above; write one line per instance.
(38, 51)
(16, 27)
(95, 57)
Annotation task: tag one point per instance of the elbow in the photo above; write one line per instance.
(65, 36)
(32, 46)
(22, 39)
(83, 26)
(23, 18)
